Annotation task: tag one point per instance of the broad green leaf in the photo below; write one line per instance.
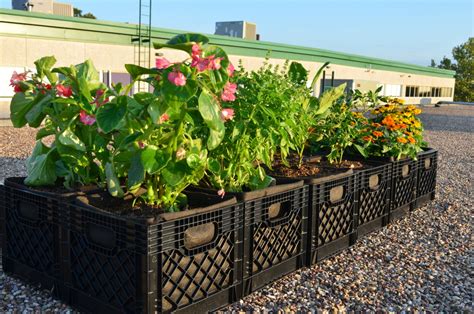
(20, 105)
(44, 64)
(174, 173)
(68, 138)
(361, 150)
(188, 38)
(144, 98)
(329, 97)
(46, 131)
(214, 166)
(71, 156)
(136, 173)
(297, 73)
(87, 71)
(154, 159)
(110, 115)
(129, 139)
(193, 160)
(41, 166)
(256, 183)
(210, 112)
(36, 115)
(136, 71)
(155, 109)
(113, 183)
(83, 86)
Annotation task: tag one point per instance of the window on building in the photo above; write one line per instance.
(393, 90)
(424, 91)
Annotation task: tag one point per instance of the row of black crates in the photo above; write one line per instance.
(104, 263)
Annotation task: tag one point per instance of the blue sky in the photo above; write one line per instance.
(413, 31)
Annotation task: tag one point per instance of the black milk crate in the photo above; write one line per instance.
(2, 214)
(275, 236)
(373, 197)
(30, 233)
(426, 181)
(404, 179)
(332, 216)
(120, 264)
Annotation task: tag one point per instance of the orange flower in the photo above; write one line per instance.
(411, 140)
(402, 140)
(402, 126)
(388, 121)
(368, 138)
(376, 125)
(377, 133)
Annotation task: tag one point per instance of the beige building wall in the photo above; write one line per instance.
(64, 9)
(20, 53)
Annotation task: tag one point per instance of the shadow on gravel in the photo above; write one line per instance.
(448, 123)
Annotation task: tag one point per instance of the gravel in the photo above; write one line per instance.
(422, 262)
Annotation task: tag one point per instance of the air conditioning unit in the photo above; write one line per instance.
(240, 29)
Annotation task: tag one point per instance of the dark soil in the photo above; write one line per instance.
(59, 188)
(123, 207)
(314, 167)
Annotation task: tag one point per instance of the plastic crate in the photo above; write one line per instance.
(120, 264)
(426, 181)
(275, 236)
(404, 179)
(30, 224)
(373, 197)
(332, 216)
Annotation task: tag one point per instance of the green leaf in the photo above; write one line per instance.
(155, 109)
(46, 131)
(193, 160)
(153, 159)
(35, 116)
(297, 73)
(210, 112)
(113, 183)
(136, 71)
(318, 74)
(110, 115)
(41, 166)
(19, 107)
(174, 173)
(188, 38)
(329, 98)
(44, 65)
(136, 173)
(256, 183)
(83, 86)
(68, 138)
(361, 150)
(214, 166)
(129, 139)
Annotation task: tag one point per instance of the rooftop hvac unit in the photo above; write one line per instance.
(239, 29)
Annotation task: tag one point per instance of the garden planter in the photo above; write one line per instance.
(275, 232)
(426, 181)
(32, 234)
(188, 261)
(332, 215)
(373, 197)
(404, 178)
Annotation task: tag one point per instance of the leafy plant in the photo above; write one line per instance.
(64, 101)
(275, 112)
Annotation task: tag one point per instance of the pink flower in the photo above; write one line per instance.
(63, 91)
(228, 94)
(230, 69)
(17, 78)
(227, 114)
(141, 144)
(87, 119)
(177, 78)
(214, 63)
(162, 63)
(43, 87)
(221, 193)
(196, 50)
(164, 117)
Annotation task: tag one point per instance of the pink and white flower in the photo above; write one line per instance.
(230, 69)
(63, 91)
(164, 117)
